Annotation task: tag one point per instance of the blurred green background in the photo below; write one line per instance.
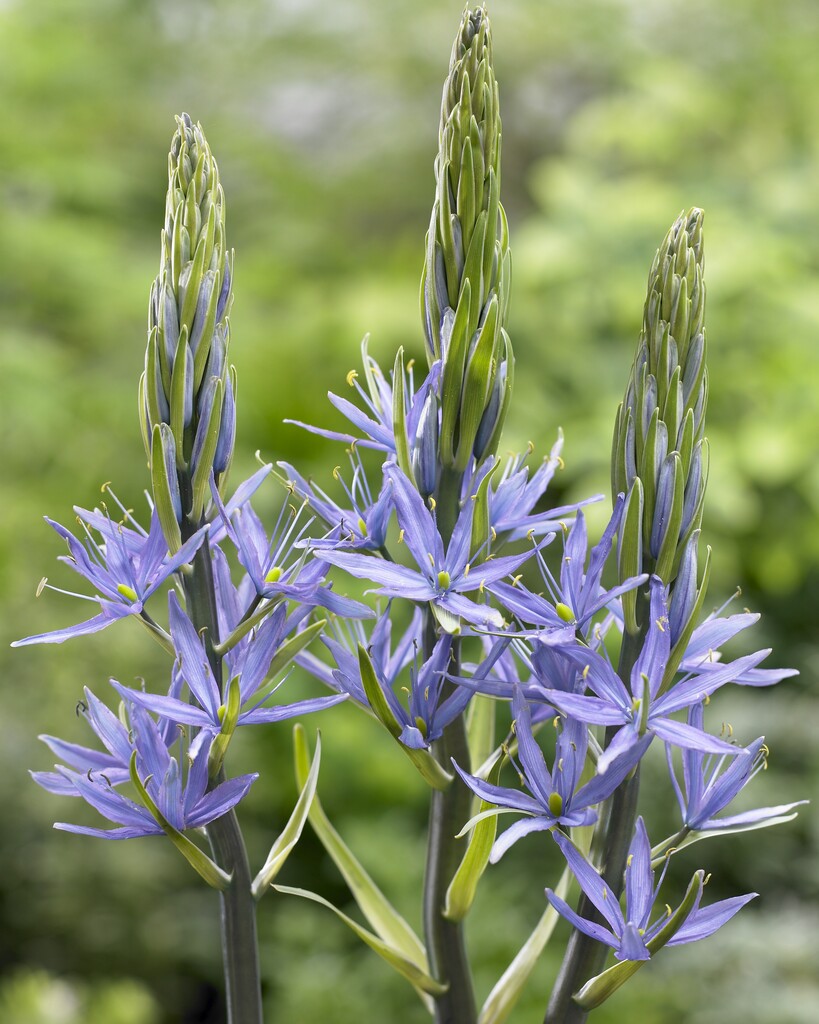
(617, 114)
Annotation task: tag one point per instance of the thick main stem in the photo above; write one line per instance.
(585, 957)
(240, 948)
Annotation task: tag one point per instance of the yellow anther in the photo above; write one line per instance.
(481, 586)
(351, 377)
(494, 533)
(585, 672)
(517, 579)
(707, 879)
(561, 464)
(564, 612)
(41, 586)
(105, 486)
(467, 567)
(410, 365)
(530, 447)
(555, 720)
(432, 503)
(560, 765)
(337, 473)
(707, 700)
(659, 624)
(400, 536)
(668, 911)
(629, 859)
(564, 527)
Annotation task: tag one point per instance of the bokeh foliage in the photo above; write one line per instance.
(616, 115)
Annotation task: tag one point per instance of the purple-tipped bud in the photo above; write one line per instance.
(424, 453)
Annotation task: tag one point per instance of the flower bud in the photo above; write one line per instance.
(188, 328)
(465, 283)
(658, 435)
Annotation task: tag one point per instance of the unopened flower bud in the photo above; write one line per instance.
(658, 436)
(186, 373)
(465, 284)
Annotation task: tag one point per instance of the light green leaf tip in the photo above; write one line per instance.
(385, 920)
(291, 832)
(417, 977)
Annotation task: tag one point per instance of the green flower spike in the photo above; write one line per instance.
(465, 283)
(187, 392)
(660, 455)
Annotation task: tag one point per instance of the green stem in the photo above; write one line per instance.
(240, 949)
(584, 957)
(449, 809)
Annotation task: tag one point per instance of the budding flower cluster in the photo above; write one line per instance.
(187, 392)
(465, 283)
(660, 455)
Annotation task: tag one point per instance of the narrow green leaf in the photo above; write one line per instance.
(671, 537)
(479, 375)
(202, 470)
(630, 551)
(461, 892)
(452, 381)
(418, 978)
(291, 832)
(385, 920)
(502, 999)
(161, 489)
(423, 760)
(480, 728)
(179, 383)
(399, 415)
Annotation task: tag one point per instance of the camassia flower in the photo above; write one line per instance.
(513, 499)
(630, 934)
(644, 712)
(142, 742)
(125, 567)
(579, 594)
(361, 526)
(554, 797)
(443, 575)
(709, 785)
(249, 666)
(276, 565)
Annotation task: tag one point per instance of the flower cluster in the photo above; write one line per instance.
(484, 595)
